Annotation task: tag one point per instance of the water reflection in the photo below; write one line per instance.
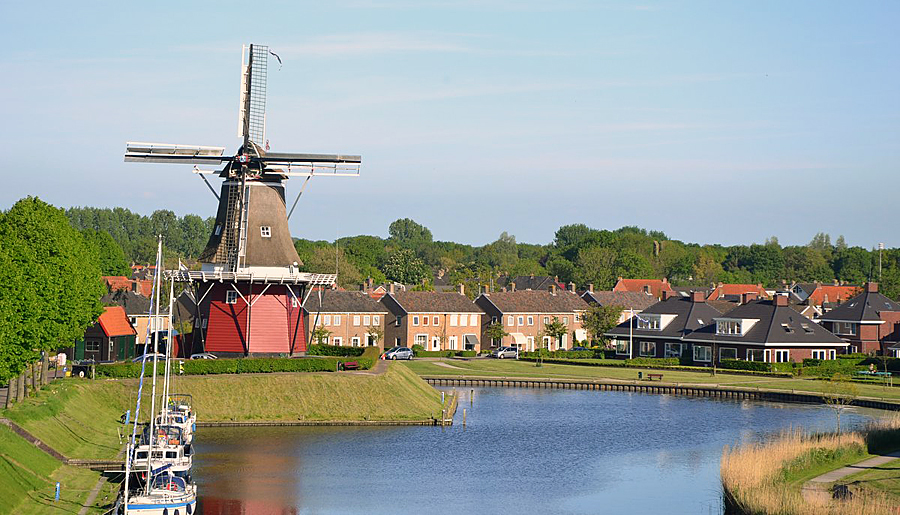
(553, 451)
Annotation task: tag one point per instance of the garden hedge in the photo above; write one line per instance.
(242, 365)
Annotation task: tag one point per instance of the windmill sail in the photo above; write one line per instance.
(252, 112)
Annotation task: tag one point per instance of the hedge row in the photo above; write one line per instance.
(241, 365)
(682, 368)
(334, 350)
(654, 361)
(444, 353)
(569, 354)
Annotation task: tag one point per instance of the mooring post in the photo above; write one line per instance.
(464, 417)
(471, 397)
(442, 397)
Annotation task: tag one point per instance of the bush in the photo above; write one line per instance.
(756, 366)
(432, 353)
(567, 354)
(466, 353)
(416, 348)
(653, 361)
(335, 350)
(366, 360)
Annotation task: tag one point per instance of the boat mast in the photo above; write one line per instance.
(155, 319)
(167, 381)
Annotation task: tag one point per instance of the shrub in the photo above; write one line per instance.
(432, 353)
(466, 354)
(334, 350)
(567, 354)
(756, 366)
(417, 347)
(653, 361)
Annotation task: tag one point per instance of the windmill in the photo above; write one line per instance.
(250, 260)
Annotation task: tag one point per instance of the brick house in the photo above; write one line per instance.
(723, 291)
(434, 320)
(869, 322)
(349, 316)
(111, 338)
(818, 294)
(119, 282)
(654, 287)
(658, 331)
(524, 313)
(630, 301)
(763, 330)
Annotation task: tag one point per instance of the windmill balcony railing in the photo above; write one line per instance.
(221, 276)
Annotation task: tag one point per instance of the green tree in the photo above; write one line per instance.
(406, 233)
(320, 335)
(707, 270)
(600, 319)
(838, 395)
(53, 275)
(109, 255)
(806, 264)
(404, 267)
(597, 266)
(327, 260)
(375, 334)
(495, 332)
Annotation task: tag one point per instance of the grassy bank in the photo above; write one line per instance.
(520, 369)
(766, 478)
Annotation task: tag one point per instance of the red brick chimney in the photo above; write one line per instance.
(781, 300)
(667, 294)
(748, 297)
(872, 287)
(698, 296)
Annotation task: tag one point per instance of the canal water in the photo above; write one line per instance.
(521, 451)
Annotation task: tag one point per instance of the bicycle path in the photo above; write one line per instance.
(817, 487)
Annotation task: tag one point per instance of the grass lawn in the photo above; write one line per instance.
(885, 478)
(522, 369)
(28, 478)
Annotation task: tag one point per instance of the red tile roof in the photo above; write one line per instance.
(737, 289)
(654, 287)
(833, 293)
(119, 282)
(114, 322)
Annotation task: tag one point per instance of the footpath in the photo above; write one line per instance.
(816, 489)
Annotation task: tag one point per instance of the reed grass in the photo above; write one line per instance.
(765, 478)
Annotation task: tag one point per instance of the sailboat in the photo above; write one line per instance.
(159, 462)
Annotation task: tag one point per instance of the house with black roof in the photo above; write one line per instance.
(631, 302)
(763, 330)
(659, 331)
(868, 322)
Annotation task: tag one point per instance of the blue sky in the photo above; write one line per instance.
(714, 121)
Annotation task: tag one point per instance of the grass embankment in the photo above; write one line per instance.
(766, 478)
(485, 367)
(885, 478)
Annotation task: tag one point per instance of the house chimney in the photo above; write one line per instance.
(503, 289)
(571, 287)
(667, 294)
(553, 288)
(591, 287)
(370, 283)
(836, 283)
(391, 289)
(748, 297)
(136, 287)
(698, 296)
(620, 278)
(872, 287)
(512, 286)
(665, 280)
(781, 301)
(556, 278)
(462, 289)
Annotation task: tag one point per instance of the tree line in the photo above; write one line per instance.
(50, 287)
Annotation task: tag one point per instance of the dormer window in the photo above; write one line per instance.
(265, 231)
(647, 322)
(728, 327)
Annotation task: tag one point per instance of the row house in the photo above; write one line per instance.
(524, 314)
(353, 318)
(654, 287)
(659, 330)
(631, 302)
(120, 282)
(764, 330)
(868, 322)
(723, 291)
(434, 320)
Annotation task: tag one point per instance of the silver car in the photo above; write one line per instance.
(398, 353)
(506, 352)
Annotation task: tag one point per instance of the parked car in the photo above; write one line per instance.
(398, 353)
(506, 352)
(160, 357)
(204, 355)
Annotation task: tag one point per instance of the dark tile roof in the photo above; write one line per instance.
(536, 301)
(690, 316)
(133, 303)
(685, 291)
(776, 325)
(434, 302)
(865, 307)
(627, 299)
(335, 301)
(723, 305)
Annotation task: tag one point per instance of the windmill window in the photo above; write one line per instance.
(231, 297)
(218, 230)
(265, 231)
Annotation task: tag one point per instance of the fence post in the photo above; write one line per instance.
(20, 391)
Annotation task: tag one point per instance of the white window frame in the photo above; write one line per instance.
(648, 323)
(338, 341)
(546, 320)
(367, 320)
(621, 347)
(510, 321)
(356, 320)
(337, 320)
(473, 320)
(781, 356)
(520, 320)
(707, 351)
(669, 353)
(376, 319)
(750, 355)
(265, 231)
(451, 341)
(425, 320)
(644, 349)
(846, 328)
(422, 339)
(727, 348)
(565, 320)
(435, 343)
(354, 341)
(530, 320)
(231, 297)
(454, 318)
(530, 343)
(415, 320)
(326, 319)
(434, 321)
(729, 327)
